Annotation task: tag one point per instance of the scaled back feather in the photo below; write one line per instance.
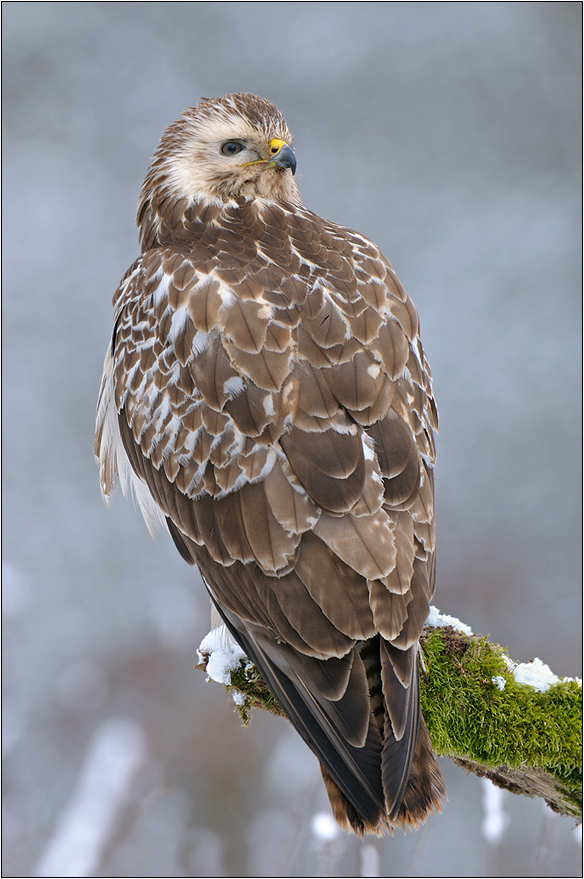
(266, 394)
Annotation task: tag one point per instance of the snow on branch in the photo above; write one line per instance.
(517, 724)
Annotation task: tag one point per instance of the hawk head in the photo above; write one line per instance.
(224, 148)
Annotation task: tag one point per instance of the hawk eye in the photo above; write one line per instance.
(231, 148)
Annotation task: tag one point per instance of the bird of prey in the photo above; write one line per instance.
(265, 394)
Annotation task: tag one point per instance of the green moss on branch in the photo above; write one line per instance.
(526, 741)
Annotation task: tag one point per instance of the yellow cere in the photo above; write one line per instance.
(276, 145)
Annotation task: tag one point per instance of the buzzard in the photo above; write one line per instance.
(265, 394)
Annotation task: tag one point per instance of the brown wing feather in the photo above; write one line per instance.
(272, 394)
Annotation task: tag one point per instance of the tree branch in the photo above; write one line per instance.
(516, 724)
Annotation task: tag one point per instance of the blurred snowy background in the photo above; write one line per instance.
(450, 134)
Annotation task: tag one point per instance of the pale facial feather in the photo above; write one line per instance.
(189, 163)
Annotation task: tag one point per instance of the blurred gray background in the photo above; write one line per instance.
(450, 134)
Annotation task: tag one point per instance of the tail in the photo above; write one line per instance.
(424, 793)
(411, 779)
(360, 715)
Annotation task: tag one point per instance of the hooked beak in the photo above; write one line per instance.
(282, 156)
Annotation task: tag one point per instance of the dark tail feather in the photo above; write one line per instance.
(401, 692)
(376, 779)
(345, 813)
(424, 793)
(412, 782)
